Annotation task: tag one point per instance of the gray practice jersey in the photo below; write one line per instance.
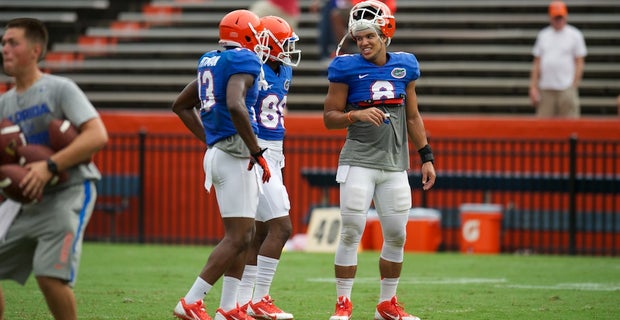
(51, 97)
(384, 147)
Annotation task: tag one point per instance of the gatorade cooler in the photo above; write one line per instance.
(423, 230)
(481, 225)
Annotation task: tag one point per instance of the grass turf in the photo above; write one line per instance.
(119, 281)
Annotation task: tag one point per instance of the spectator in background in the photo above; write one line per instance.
(325, 40)
(286, 9)
(557, 69)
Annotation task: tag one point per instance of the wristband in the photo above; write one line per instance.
(259, 153)
(426, 154)
(349, 117)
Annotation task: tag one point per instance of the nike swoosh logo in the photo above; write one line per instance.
(362, 76)
(385, 314)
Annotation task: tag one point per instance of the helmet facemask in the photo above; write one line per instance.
(285, 51)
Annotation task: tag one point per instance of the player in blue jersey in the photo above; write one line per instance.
(372, 94)
(273, 224)
(227, 86)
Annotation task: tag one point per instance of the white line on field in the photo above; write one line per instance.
(498, 282)
(422, 280)
(567, 286)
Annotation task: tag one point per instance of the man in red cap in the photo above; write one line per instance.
(559, 54)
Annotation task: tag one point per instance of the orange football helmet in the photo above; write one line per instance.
(242, 28)
(281, 41)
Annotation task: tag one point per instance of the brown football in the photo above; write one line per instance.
(10, 177)
(11, 137)
(37, 152)
(61, 132)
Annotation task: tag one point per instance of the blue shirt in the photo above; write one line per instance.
(214, 70)
(271, 104)
(370, 82)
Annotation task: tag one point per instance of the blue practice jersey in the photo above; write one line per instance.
(214, 69)
(368, 82)
(271, 103)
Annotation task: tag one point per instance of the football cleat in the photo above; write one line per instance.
(265, 309)
(392, 310)
(344, 307)
(194, 311)
(234, 314)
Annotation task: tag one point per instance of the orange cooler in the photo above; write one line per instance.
(481, 225)
(423, 230)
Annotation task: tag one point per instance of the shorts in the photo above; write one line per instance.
(359, 186)
(273, 202)
(236, 187)
(559, 103)
(46, 238)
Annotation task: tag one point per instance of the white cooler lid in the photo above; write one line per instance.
(481, 207)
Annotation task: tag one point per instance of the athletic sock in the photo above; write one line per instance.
(199, 289)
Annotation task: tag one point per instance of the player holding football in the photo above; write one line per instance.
(372, 94)
(227, 86)
(45, 237)
(273, 224)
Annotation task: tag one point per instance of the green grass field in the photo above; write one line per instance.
(144, 282)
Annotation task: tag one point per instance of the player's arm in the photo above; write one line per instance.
(185, 106)
(334, 116)
(236, 89)
(417, 135)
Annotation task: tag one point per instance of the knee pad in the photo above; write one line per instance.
(394, 236)
(350, 236)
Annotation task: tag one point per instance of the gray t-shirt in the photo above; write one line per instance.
(51, 97)
(384, 147)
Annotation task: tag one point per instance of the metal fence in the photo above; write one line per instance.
(557, 196)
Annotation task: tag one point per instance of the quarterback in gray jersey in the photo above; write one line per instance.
(372, 94)
(45, 236)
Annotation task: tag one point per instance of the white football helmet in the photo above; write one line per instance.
(371, 14)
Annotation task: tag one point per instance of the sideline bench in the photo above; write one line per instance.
(114, 195)
(490, 181)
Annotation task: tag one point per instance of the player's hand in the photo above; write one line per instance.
(428, 175)
(35, 180)
(258, 158)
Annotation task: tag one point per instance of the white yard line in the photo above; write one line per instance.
(498, 283)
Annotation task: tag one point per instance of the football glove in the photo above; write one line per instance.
(258, 158)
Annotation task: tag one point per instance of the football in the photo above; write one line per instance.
(61, 132)
(11, 137)
(10, 177)
(37, 152)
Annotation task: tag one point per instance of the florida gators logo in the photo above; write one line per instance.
(399, 73)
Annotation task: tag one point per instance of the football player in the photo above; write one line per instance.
(372, 95)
